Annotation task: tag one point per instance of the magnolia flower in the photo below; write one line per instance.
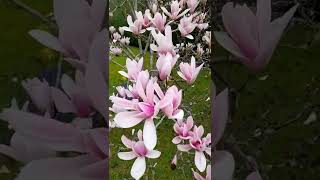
(175, 10)
(197, 176)
(125, 41)
(91, 146)
(186, 27)
(134, 111)
(144, 19)
(189, 72)
(116, 51)
(134, 68)
(252, 38)
(138, 151)
(200, 145)
(164, 42)
(135, 27)
(39, 92)
(182, 130)
(174, 161)
(158, 21)
(165, 63)
(116, 37)
(192, 4)
(170, 102)
(74, 99)
(121, 91)
(78, 22)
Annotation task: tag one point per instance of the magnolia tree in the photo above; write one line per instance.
(60, 131)
(176, 37)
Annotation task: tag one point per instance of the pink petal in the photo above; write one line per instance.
(149, 134)
(47, 39)
(153, 154)
(127, 142)
(127, 119)
(127, 155)
(200, 161)
(223, 166)
(220, 106)
(62, 102)
(176, 140)
(184, 147)
(138, 168)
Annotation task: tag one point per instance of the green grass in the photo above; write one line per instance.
(195, 97)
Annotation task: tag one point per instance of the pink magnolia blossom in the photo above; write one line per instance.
(159, 21)
(197, 176)
(175, 10)
(125, 41)
(57, 136)
(200, 145)
(135, 27)
(138, 151)
(186, 27)
(144, 18)
(189, 72)
(75, 98)
(164, 42)
(193, 4)
(165, 63)
(40, 93)
(170, 102)
(182, 130)
(174, 160)
(252, 37)
(78, 22)
(116, 37)
(135, 111)
(134, 68)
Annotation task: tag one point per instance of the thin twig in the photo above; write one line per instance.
(35, 13)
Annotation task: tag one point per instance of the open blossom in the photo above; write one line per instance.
(134, 68)
(197, 176)
(165, 63)
(144, 18)
(193, 4)
(134, 111)
(252, 38)
(200, 145)
(170, 102)
(174, 14)
(74, 99)
(138, 151)
(75, 34)
(159, 21)
(182, 130)
(116, 51)
(189, 72)
(135, 27)
(186, 27)
(125, 41)
(164, 42)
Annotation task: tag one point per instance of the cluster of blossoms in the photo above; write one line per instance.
(117, 40)
(66, 115)
(150, 96)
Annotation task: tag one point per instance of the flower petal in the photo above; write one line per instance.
(149, 134)
(138, 168)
